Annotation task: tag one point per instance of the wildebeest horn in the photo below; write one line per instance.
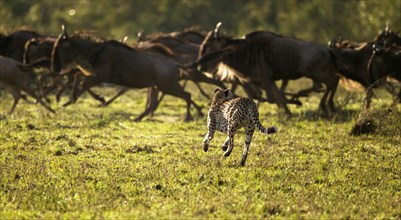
(64, 31)
(140, 37)
(331, 43)
(124, 40)
(387, 26)
(339, 38)
(217, 30)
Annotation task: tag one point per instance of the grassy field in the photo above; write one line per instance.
(91, 162)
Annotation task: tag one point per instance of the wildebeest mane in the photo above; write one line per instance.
(85, 35)
(159, 48)
(96, 45)
(245, 57)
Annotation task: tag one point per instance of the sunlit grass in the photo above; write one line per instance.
(92, 162)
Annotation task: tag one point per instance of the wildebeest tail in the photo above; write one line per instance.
(260, 127)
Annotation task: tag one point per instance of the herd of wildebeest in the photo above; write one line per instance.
(37, 65)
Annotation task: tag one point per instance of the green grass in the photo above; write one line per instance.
(89, 162)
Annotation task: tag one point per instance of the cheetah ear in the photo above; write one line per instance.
(226, 92)
(216, 90)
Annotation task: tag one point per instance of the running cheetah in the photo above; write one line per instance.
(227, 114)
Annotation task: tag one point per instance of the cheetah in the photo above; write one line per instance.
(227, 114)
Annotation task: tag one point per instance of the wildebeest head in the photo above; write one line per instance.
(387, 37)
(38, 48)
(212, 46)
(60, 52)
(69, 53)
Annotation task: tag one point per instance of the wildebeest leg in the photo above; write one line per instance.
(38, 99)
(330, 80)
(185, 83)
(198, 108)
(16, 93)
(201, 90)
(197, 77)
(120, 92)
(70, 80)
(86, 85)
(331, 97)
(55, 82)
(147, 102)
(27, 100)
(252, 91)
(274, 95)
(323, 101)
(284, 84)
(153, 93)
(368, 98)
(42, 88)
(248, 139)
(97, 97)
(179, 92)
(317, 86)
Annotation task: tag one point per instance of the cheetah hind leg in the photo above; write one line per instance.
(248, 139)
(224, 147)
(230, 145)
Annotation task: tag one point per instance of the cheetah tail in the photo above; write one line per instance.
(261, 128)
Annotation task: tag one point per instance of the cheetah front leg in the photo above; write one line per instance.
(248, 139)
(208, 137)
(211, 128)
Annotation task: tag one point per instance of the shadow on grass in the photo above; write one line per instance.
(138, 149)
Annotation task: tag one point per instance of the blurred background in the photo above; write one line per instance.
(314, 20)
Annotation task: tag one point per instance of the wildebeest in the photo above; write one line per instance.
(388, 38)
(352, 63)
(121, 65)
(184, 52)
(182, 59)
(385, 62)
(13, 44)
(263, 57)
(40, 49)
(17, 77)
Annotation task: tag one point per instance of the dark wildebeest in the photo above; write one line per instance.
(179, 49)
(264, 57)
(182, 59)
(388, 38)
(121, 65)
(13, 44)
(177, 45)
(17, 77)
(352, 63)
(40, 49)
(190, 35)
(385, 62)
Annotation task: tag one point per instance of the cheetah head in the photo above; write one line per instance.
(221, 95)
